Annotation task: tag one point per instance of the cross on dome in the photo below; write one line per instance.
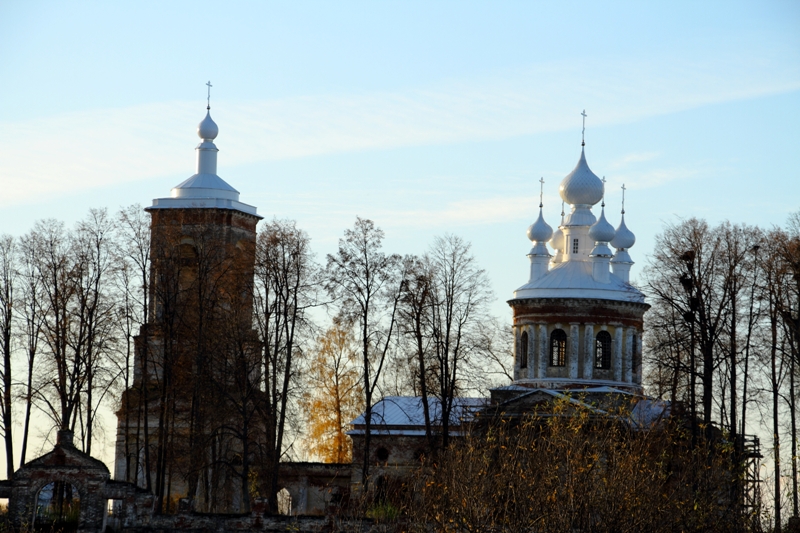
(583, 131)
(624, 237)
(208, 104)
(603, 203)
(540, 232)
(541, 191)
(623, 198)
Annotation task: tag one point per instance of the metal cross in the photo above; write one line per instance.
(583, 131)
(603, 204)
(541, 191)
(623, 198)
(208, 105)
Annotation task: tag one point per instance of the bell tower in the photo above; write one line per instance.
(198, 339)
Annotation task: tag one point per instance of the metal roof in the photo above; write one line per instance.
(406, 411)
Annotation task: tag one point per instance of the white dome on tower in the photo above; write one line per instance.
(540, 231)
(207, 129)
(581, 186)
(602, 231)
(205, 189)
(557, 241)
(623, 238)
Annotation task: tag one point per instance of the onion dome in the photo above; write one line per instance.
(581, 186)
(540, 231)
(207, 129)
(602, 231)
(557, 241)
(624, 238)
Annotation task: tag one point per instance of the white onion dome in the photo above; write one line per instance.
(540, 231)
(581, 186)
(207, 129)
(624, 238)
(557, 241)
(602, 231)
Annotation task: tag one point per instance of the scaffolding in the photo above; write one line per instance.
(750, 447)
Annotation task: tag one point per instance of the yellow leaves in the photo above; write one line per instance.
(334, 396)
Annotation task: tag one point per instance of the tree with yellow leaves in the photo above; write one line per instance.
(334, 395)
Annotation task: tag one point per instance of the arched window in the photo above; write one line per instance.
(558, 348)
(523, 350)
(58, 507)
(284, 502)
(188, 251)
(637, 359)
(602, 351)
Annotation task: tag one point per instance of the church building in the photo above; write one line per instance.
(578, 321)
(577, 326)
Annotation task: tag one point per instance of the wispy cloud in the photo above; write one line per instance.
(464, 212)
(650, 178)
(78, 151)
(629, 159)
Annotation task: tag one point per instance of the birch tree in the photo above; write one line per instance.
(366, 283)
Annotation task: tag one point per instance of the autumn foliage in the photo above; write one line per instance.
(335, 396)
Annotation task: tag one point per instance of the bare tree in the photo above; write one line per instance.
(414, 318)
(32, 318)
(778, 366)
(366, 284)
(460, 294)
(443, 314)
(61, 395)
(285, 289)
(685, 277)
(94, 313)
(8, 280)
(729, 292)
(237, 380)
(784, 248)
(133, 226)
(166, 299)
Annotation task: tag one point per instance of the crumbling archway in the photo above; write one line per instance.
(57, 507)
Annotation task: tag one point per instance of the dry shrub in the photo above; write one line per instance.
(570, 470)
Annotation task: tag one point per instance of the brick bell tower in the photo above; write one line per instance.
(199, 325)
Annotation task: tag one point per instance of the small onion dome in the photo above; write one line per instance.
(581, 186)
(602, 231)
(207, 129)
(624, 238)
(540, 231)
(557, 242)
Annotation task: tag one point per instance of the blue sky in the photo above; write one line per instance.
(428, 117)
